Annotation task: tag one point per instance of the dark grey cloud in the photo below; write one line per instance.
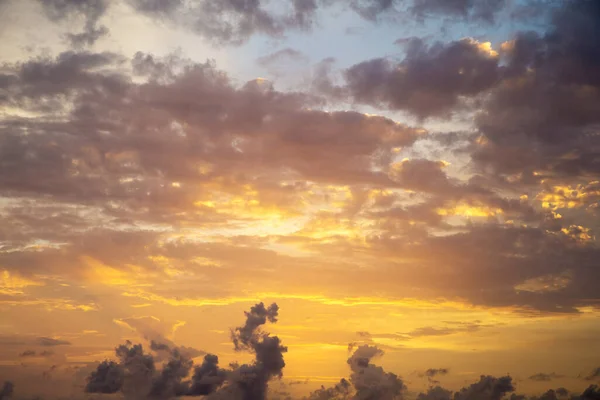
(366, 381)
(28, 353)
(156, 7)
(247, 335)
(7, 390)
(340, 391)
(252, 379)
(207, 377)
(430, 80)
(314, 147)
(562, 392)
(433, 372)
(171, 378)
(435, 393)
(488, 387)
(371, 381)
(107, 378)
(591, 393)
(137, 376)
(541, 118)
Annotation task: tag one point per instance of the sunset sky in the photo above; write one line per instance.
(419, 176)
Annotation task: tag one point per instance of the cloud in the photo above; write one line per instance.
(434, 372)
(591, 393)
(208, 377)
(483, 9)
(7, 390)
(563, 94)
(429, 81)
(543, 377)
(90, 10)
(281, 55)
(488, 387)
(340, 391)
(137, 376)
(46, 341)
(28, 353)
(107, 378)
(435, 393)
(433, 331)
(366, 381)
(595, 374)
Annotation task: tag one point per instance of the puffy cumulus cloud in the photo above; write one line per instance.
(591, 393)
(517, 250)
(253, 378)
(371, 381)
(208, 377)
(107, 378)
(366, 381)
(539, 122)
(420, 175)
(435, 393)
(488, 387)
(137, 376)
(231, 129)
(246, 336)
(430, 80)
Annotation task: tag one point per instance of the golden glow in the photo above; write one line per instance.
(578, 233)
(466, 210)
(98, 272)
(12, 284)
(558, 197)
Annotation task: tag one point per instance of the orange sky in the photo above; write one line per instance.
(424, 185)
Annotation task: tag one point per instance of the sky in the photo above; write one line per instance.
(300, 199)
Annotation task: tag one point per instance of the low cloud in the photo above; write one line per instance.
(136, 373)
(593, 375)
(543, 377)
(46, 341)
